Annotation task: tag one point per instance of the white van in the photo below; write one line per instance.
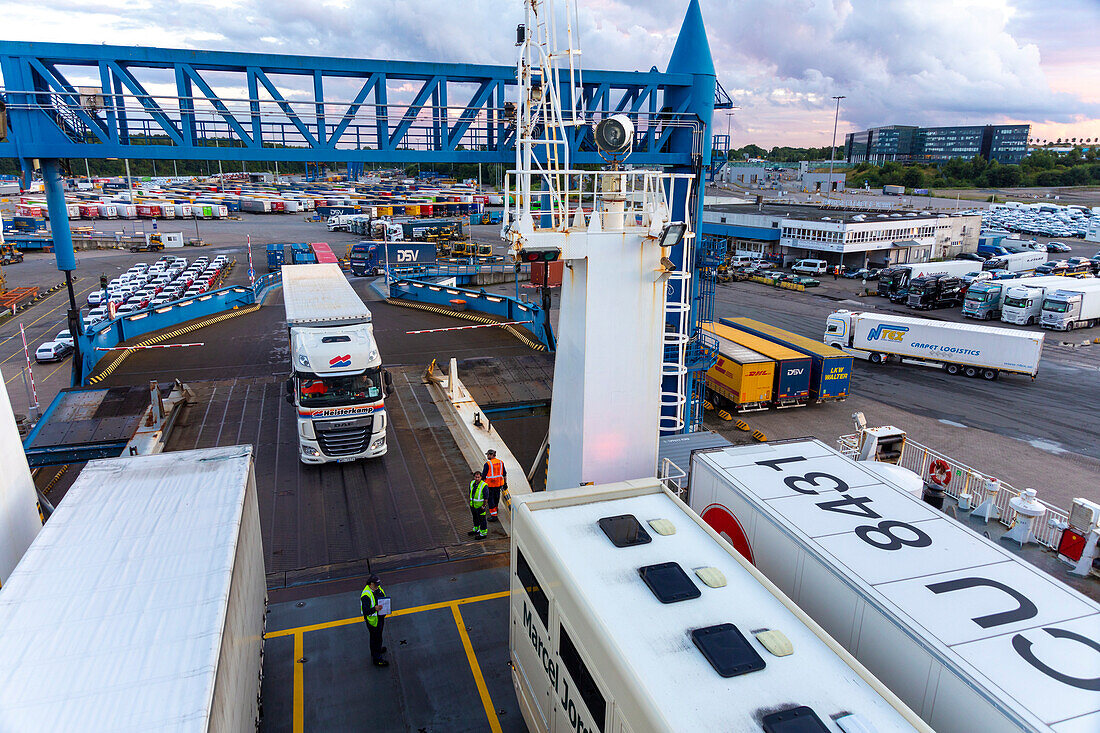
(810, 267)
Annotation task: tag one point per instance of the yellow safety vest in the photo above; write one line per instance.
(372, 619)
(477, 494)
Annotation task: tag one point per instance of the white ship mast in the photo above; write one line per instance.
(613, 231)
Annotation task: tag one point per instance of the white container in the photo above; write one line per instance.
(970, 636)
(19, 520)
(956, 346)
(183, 211)
(142, 601)
(172, 239)
(593, 648)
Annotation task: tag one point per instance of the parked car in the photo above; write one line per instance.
(1057, 247)
(64, 337)
(806, 282)
(973, 277)
(95, 297)
(52, 351)
(971, 256)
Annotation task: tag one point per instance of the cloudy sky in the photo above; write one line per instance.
(923, 62)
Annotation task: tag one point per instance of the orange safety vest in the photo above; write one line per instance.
(495, 477)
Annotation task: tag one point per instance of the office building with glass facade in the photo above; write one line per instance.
(908, 144)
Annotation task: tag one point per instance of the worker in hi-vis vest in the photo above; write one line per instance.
(477, 507)
(370, 600)
(496, 478)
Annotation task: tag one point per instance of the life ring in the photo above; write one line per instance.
(939, 472)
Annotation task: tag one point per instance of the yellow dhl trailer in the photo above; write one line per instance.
(741, 379)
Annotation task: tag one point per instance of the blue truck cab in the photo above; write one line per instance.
(370, 258)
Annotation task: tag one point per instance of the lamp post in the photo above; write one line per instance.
(832, 149)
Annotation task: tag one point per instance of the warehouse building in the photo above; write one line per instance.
(909, 144)
(785, 234)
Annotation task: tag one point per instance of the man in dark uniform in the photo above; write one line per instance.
(369, 600)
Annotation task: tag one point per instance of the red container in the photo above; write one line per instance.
(539, 273)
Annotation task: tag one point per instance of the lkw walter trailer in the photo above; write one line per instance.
(970, 636)
(140, 605)
(629, 614)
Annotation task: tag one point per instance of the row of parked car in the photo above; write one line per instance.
(166, 280)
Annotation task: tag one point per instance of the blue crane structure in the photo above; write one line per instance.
(66, 101)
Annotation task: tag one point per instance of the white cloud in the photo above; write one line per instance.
(900, 62)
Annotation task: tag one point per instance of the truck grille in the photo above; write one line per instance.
(344, 441)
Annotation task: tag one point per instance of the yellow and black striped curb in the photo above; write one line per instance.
(467, 317)
(53, 482)
(122, 355)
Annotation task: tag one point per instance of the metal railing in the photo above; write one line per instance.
(672, 476)
(966, 480)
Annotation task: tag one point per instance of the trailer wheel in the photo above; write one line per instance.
(971, 371)
(989, 374)
(952, 369)
(876, 358)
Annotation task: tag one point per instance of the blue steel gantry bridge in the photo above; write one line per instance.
(71, 101)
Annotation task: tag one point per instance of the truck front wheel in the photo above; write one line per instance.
(952, 369)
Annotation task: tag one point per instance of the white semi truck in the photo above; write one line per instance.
(337, 382)
(1022, 300)
(972, 637)
(958, 348)
(142, 601)
(1072, 306)
(628, 613)
(985, 299)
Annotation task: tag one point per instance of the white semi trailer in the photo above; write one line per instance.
(1016, 261)
(337, 381)
(1072, 306)
(958, 348)
(140, 605)
(970, 636)
(628, 613)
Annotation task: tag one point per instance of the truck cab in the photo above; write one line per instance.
(890, 281)
(983, 301)
(1021, 304)
(937, 291)
(337, 386)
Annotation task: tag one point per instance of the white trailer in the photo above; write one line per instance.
(337, 381)
(959, 348)
(970, 636)
(628, 613)
(19, 520)
(1075, 305)
(1016, 261)
(141, 601)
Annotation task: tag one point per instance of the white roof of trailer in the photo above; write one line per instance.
(737, 352)
(113, 619)
(967, 327)
(654, 639)
(320, 294)
(901, 580)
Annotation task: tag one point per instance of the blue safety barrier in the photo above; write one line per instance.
(111, 333)
(502, 306)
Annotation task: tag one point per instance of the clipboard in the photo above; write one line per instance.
(383, 606)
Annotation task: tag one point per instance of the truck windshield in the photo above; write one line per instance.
(335, 391)
(1015, 302)
(977, 297)
(1056, 306)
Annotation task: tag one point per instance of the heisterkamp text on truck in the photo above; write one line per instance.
(337, 380)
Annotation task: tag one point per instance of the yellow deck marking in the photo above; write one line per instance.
(475, 668)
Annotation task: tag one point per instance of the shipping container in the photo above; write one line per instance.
(792, 368)
(832, 368)
(547, 273)
(140, 605)
(740, 379)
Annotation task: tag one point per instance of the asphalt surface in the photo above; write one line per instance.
(1047, 409)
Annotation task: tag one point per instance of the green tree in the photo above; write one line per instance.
(913, 177)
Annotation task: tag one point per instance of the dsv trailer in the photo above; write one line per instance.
(969, 635)
(629, 614)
